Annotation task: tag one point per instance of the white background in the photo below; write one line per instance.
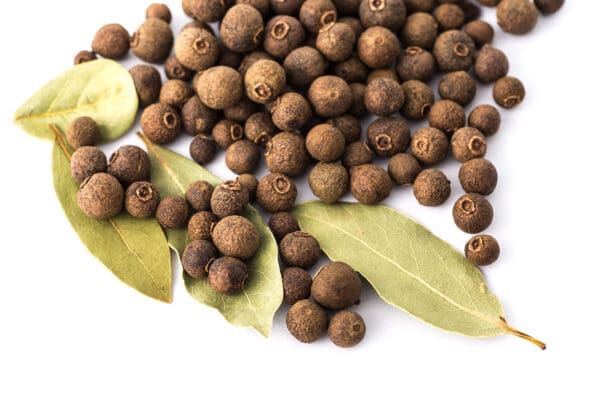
(70, 329)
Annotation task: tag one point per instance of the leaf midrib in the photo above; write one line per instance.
(47, 113)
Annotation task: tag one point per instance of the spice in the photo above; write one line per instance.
(197, 256)
(370, 184)
(200, 225)
(480, 31)
(198, 118)
(491, 64)
(141, 199)
(549, 6)
(303, 65)
(264, 81)
(416, 64)
(429, 146)
(111, 41)
(259, 128)
(242, 28)
(219, 87)
(384, 97)
(282, 223)
(227, 275)
(378, 47)
(387, 13)
(388, 136)
(403, 168)
(236, 236)
(241, 111)
(315, 14)
(296, 285)
(486, 118)
(250, 182)
(328, 181)
(467, 144)
(458, 86)
(336, 41)
(330, 96)
(454, 50)
(152, 41)
(325, 143)
(86, 161)
(478, 176)
(242, 157)
(508, 92)
(227, 132)
(517, 16)
(420, 30)
(196, 49)
(473, 213)
(447, 116)
(147, 83)
(84, 56)
(175, 93)
(203, 149)
(159, 10)
(346, 329)
(160, 123)
(290, 111)
(129, 164)
(306, 321)
(82, 131)
(173, 212)
(229, 198)
(431, 187)
(351, 70)
(283, 34)
(357, 153)
(336, 286)
(198, 195)
(482, 250)
(286, 154)
(100, 196)
(299, 249)
(418, 100)
(449, 16)
(276, 192)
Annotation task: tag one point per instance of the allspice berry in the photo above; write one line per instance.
(226, 132)
(290, 111)
(203, 149)
(205, 10)
(82, 131)
(160, 123)
(480, 31)
(468, 143)
(429, 146)
(384, 97)
(173, 212)
(306, 321)
(152, 41)
(478, 176)
(198, 118)
(508, 92)
(419, 5)
(328, 181)
(351, 70)
(454, 50)
(197, 257)
(175, 93)
(100, 196)
(315, 14)
(250, 182)
(299, 249)
(286, 7)
(200, 225)
(330, 96)
(491, 64)
(447, 116)
(346, 329)
(174, 69)
(129, 164)
(370, 184)
(416, 64)
(420, 30)
(259, 128)
(196, 49)
(286, 153)
(236, 236)
(86, 161)
(263, 6)
(489, 3)
(549, 6)
(242, 28)
(296, 285)
(264, 81)
(486, 118)
(303, 65)
(220, 87)
(388, 136)
(458, 86)
(84, 56)
(472, 213)
(111, 41)
(282, 223)
(482, 250)
(276, 192)
(198, 194)
(336, 41)
(241, 111)
(227, 275)
(159, 10)
(418, 100)
(449, 16)
(378, 47)
(147, 82)
(336, 286)
(250, 59)
(242, 157)
(283, 34)
(403, 168)
(387, 13)
(517, 16)
(141, 199)
(382, 73)
(325, 143)
(357, 153)
(431, 187)
(349, 125)
(229, 198)
(357, 106)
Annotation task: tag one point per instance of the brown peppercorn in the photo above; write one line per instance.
(296, 285)
(229, 198)
(454, 50)
(276, 192)
(447, 116)
(431, 187)
(160, 123)
(482, 250)
(315, 14)
(382, 73)
(203, 149)
(403, 168)
(173, 212)
(242, 28)
(299, 249)
(357, 153)
(286, 153)
(472, 213)
(328, 181)
(491, 64)
(458, 86)
(197, 257)
(306, 321)
(449, 16)
(390, 14)
(259, 128)
(242, 156)
(236, 236)
(418, 100)
(152, 41)
(336, 41)
(175, 93)
(346, 329)
(196, 49)
(388, 136)
(129, 164)
(282, 223)
(147, 82)
(336, 286)
(357, 107)
(176, 70)
(352, 22)
(384, 97)
(348, 125)
(378, 47)
(84, 56)
(325, 143)
(330, 96)
(227, 275)
(262, 6)
(351, 70)
(159, 10)
(100, 196)
(198, 118)
(290, 111)
(283, 34)
(486, 118)
(82, 131)
(220, 87)
(286, 7)
(141, 199)
(416, 64)
(303, 65)
(200, 225)
(478, 176)
(86, 161)
(508, 92)
(226, 132)
(198, 195)
(468, 143)
(429, 146)
(250, 182)
(111, 41)
(419, 5)
(517, 16)
(370, 184)
(480, 31)
(241, 111)
(264, 81)
(420, 30)
(206, 10)
(549, 6)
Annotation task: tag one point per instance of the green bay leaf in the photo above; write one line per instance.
(263, 294)
(101, 89)
(135, 250)
(408, 266)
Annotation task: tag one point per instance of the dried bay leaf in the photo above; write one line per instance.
(101, 89)
(135, 250)
(263, 293)
(408, 266)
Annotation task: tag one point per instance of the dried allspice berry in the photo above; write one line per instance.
(276, 193)
(286, 153)
(290, 111)
(420, 30)
(299, 249)
(431, 187)
(458, 86)
(348, 125)
(227, 275)
(303, 65)
(429, 146)
(227, 132)
(175, 93)
(346, 329)
(416, 64)
(419, 5)
(100, 196)
(242, 156)
(384, 97)
(241, 111)
(471, 10)
(549, 6)
(418, 100)
(159, 10)
(141, 199)
(197, 256)
(206, 10)
(336, 41)
(491, 64)
(353, 22)
(517, 16)
(87, 161)
(250, 59)
(203, 149)
(378, 47)
(200, 225)
(229, 58)
(508, 92)
(160, 123)
(111, 41)
(283, 34)
(264, 81)
(403, 168)
(296, 285)
(482, 250)
(198, 118)
(478, 176)
(387, 13)
(236, 236)
(489, 3)
(84, 56)
(325, 143)
(480, 31)
(152, 41)
(282, 223)
(486, 118)
(173, 212)
(229, 198)
(250, 182)
(198, 194)
(454, 50)
(259, 128)
(370, 184)
(286, 7)
(382, 73)
(388, 136)
(447, 116)
(263, 6)
(351, 70)
(357, 106)
(449, 16)
(328, 181)
(472, 213)
(306, 321)
(336, 286)
(220, 87)
(357, 153)
(468, 143)
(196, 49)
(147, 83)
(129, 164)
(242, 28)
(315, 14)
(330, 96)
(82, 131)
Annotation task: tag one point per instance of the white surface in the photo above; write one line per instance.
(71, 330)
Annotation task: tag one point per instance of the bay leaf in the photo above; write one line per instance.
(408, 266)
(263, 294)
(100, 89)
(135, 250)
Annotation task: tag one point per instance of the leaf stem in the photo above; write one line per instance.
(513, 331)
(58, 138)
